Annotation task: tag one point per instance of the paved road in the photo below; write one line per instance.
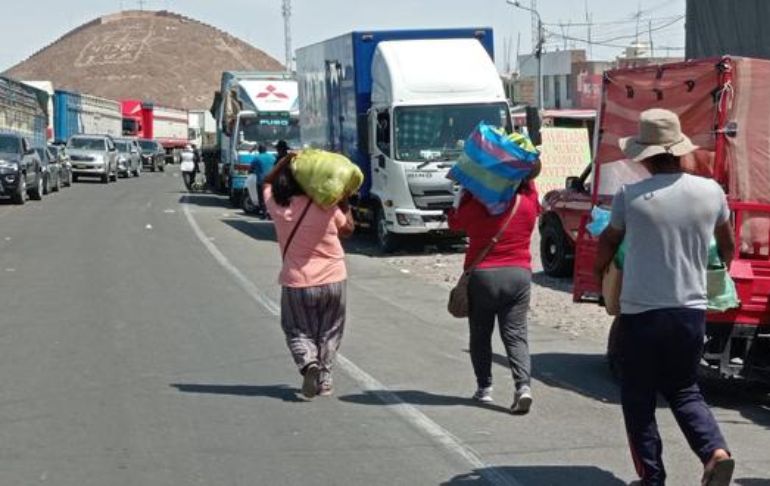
(139, 345)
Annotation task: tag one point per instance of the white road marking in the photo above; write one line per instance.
(367, 382)
(149, 227)
(169, 211)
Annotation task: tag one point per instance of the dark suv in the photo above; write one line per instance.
(21, 172)
(153, 154)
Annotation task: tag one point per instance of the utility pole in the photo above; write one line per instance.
(537, 46)
(141, 4)
(588, 24)
(652, 46)
(287, 34)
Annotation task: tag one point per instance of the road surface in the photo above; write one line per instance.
(139, 345)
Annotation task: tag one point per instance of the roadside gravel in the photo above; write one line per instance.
(551, 304)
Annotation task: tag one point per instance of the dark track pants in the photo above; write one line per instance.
(660, 351)
(500, 294)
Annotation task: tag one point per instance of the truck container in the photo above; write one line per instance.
(23, 111)
(202, 128)
(46, 86)
(78, 113)
(144, 119)
(400, 105)
(252, 108)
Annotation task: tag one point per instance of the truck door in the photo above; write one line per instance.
(335, 104)
(380, 148)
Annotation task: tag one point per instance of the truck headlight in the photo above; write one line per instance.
(407, 219)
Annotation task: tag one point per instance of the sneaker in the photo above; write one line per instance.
(483, 395)
(325, 389)
(310, 381)
(522, 401)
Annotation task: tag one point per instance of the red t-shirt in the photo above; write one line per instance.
(513, 248)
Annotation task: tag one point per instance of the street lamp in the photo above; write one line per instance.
(538, 50)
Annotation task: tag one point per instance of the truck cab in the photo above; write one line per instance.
(400, 105)
(257, 108)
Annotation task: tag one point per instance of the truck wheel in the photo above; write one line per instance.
(20, 197)
(247, 204)
(556, 251)
(387, 241)
(36, 193)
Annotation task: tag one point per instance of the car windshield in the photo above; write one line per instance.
(123, 146)
(9, 144)
(87, 143)
(425, 133)
(269, 130)
(147, 145)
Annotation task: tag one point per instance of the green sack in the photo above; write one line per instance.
(326, 177)
(720, 287)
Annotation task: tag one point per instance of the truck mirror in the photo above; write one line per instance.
(574, 184)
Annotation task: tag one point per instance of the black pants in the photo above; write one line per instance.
(261, 198)
(502, 294)
(660, 351)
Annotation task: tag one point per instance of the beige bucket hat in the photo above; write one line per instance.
(659, 133)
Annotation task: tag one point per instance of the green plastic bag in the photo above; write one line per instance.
(326, 177)
(720, 287)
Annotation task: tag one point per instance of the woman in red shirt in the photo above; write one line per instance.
(499, 287)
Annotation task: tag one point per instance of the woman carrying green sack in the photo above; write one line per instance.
(313, 277)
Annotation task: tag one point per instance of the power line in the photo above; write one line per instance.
(609, 42)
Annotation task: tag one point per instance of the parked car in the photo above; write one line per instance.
(129, 158)
(93, 156)
(21, 173)
(153, 154)
(51, 170)
(65, 165)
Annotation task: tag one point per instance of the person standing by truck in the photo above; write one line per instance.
(667, 221)
(313, 277)
(499, 287)
(261, 166)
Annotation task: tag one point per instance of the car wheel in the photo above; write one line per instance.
(557, 253)
(387, 241)
(74, 178)
(105, 178)
(20, 197)
(46, 185)
(36, 193)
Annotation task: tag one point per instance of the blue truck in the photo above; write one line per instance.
(77, 113)
(400, 105)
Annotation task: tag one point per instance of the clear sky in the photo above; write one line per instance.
(24, 31)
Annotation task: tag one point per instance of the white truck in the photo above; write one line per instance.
(400, 104)
(202, 128)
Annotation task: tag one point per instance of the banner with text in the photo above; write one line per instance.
(565, 152)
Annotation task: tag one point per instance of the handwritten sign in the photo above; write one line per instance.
(121, 46)
(565, 152)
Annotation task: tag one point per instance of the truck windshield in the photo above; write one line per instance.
(87, 144)
(9, 145)
(426, 133)
(269, 130)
